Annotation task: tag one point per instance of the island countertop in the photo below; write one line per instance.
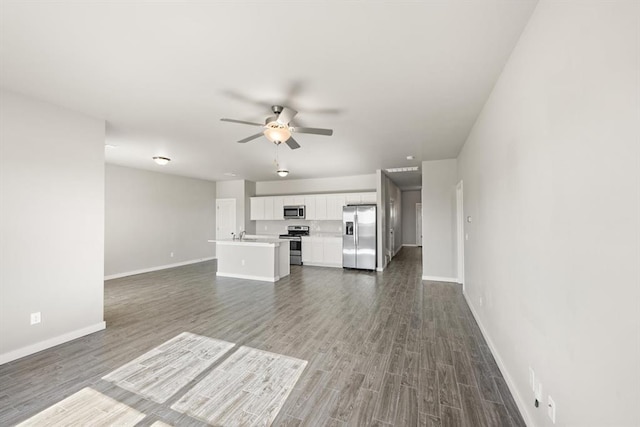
(250, 241)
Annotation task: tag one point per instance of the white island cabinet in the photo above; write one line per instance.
(265, 259)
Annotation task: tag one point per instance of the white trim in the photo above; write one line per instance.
(249, 277)
(51, 342)
(380, 269)
(159, 267)
(320, 264)
(441, 279)
(398, 250)
(503, 369)
(460, 233)
(412, 245)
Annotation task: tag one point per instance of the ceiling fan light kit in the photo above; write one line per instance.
(278, 128)
(282, 172)
(161, 160)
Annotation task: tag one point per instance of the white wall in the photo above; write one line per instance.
(409, 200)
(439, 220)
(317, 185)
(51, 224)
(551, 176)
(148, 215)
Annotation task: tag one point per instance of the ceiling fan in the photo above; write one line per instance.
(278, 129)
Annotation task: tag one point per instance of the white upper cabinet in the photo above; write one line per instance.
(321, 207)
(368, 197)
(257, 208)
(310, 206)
(318, 207)
(293, 200)
(278, 207)
(268, 208)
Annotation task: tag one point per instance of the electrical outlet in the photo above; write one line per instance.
(551, 409)
(35, 318)
(532, 379)
(481, 301)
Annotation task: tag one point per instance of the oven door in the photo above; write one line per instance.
(295, 251)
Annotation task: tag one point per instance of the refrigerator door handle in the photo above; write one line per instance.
(355, 223)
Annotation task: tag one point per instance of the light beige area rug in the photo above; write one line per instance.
(87, 407)
(161, 372)
(249, 388)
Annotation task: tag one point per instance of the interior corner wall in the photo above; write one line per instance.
(249, 192)
(551, 175)
(51, 225)
(389, 201)
(150, 216)
(439, 220)
(409, 200)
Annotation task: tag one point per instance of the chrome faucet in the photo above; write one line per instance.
(242, 234)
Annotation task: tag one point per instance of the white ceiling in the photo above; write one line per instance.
(391, 78)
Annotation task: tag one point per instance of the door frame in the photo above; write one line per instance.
(419, 224)
(460, 232)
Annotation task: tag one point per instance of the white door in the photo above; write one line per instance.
(225, 218)
(419, 224)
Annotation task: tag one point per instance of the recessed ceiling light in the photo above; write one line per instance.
(410, 157)
(407, 169)
(161, 160)
(229, 174)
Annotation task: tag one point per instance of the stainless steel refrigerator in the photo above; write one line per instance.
(359, 237)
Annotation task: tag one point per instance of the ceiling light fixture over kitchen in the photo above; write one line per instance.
(161, 160)
(281, 171)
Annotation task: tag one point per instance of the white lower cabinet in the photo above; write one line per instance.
(322, 251)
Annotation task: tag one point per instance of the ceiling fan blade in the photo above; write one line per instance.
(316, 131)
(241, 122)
(286, 115)
(249, 138)
(292, 143)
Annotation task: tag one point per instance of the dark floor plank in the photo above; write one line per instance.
(448, 386)
(496, 414)
(509, 403)
(451, 417)
(472, 407)
(407, 414)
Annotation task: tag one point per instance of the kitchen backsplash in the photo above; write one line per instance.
(315, 227)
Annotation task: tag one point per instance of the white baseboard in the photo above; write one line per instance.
(411, 245)
(160, 267)
(51, 342)
(380, 269)
(441, 279)
(320, 264)
(503, 369)
(396, 252)
(249, 277)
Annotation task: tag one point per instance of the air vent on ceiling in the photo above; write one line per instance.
(407, 169)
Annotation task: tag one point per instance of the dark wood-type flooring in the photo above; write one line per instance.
(382, 348)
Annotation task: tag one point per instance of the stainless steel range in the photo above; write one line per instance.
(294, 235)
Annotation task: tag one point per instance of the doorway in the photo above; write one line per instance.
(419, 224)
(460, 232)
(225, 218)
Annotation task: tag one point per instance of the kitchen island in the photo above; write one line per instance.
(255, 258)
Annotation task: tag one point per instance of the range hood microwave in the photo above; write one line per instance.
(293, 212)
